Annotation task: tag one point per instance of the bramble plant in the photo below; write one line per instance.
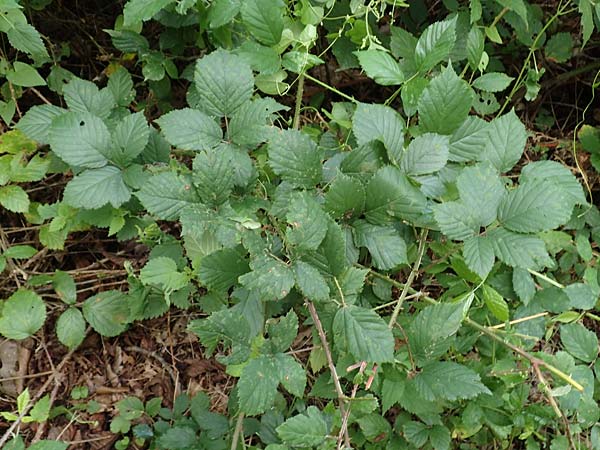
(409, 239)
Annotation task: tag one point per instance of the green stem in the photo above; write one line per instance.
(331, 88)
(299, 94)
(499, 16)
(411, 277)
(238, 431)
(491, 333)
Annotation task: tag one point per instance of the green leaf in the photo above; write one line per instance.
(223, 81)
(364, 333)
(523, 285)
(248, 126)
(40, 411)
(295, 158)
(434, 44)
(587, 19)
(65, 287)
(270, 278)
(26, 38)
(518, 7)
(382, 123)
(432, 382)
(162, 271)
(49, 445)
(505, 142)
(213, 177)
(25, 75)
(445, 103)
(557, 174)
(535, 206)
(222, 12)
(304, 430)
(390, 193)
(469, 140)
(381, 67)
(386, 246)
(291, 374)
(70, 328)
(95, 188)
(345, 197)
(221, 269)
(416, 433)
(14, 198)
(481, 189)
(581, 296)
(519, 250)
(495, 303)
(83, 97)
(308, 222)
(258, 385)
(177, 438)
(20, 252)
(456, 220)
(310, 282)
(80, 139)
(166, 194)
(120, 84)
(479, 255)
(107, 312)
(492, 82)
(23, 314)
(402, 43)
(439, 437)
(375, 427)
(264, 19)
(142, 10)
(190, 129)
(37, 121)
(131, 136)
(579, 341)
(427, 153)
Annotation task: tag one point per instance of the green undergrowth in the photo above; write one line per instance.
(448, 285)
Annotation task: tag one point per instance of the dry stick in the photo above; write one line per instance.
(35, 398)
(334, 375)
(239, 425)
(491, 334)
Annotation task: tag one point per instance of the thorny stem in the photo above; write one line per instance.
(299, 94)
(332, 369)
(238, 431)
(491, 333)
(411, 277)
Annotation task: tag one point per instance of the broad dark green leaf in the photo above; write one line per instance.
(469, 140)
(434, 44)
(304, 430)
(310, 282)
(456, 220)
(166, 194)
(379, 122)
(386, 246)
(345, 197)
(258, 385)
(381, 67)
(23, 314)
(264, 19)
(37, 121)
(107, 312)
(557, 174)
(492, 82)
(479, 255)
(481, 190)
(213, 177)
(579, 341)
(427, 153)
(519, 250)
(295, 158)
(221, 269)
(95, 188)
(308, 222)
(505, 142)
(70, 328)
(270, 278)
(83, 97)
(432, 382)
(142, 10)
(190, 129)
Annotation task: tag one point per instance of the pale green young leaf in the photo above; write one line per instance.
(107, 312)
(519, 250)
(40, 411)
(26, 38)
(295, 158)
(264, 19)
(291, 374)
(505, 142)
(469, 140)
(70, 328)
(523, 285)
(14, 198)
(308, 222)
(142, 10)
(223, 82)
(391, 194)
(534, 206)
(445, 103)
(221, 269)
(131, 136)
(95, 188)
(80, 139)
(162, 272)
(190, 129)
(25, 75)
(270, 278)
(378, 122)
(492, 82)
(345, 197)
(83, 97)
(381, 67)
(37, 121)
(23, 314)
(258, 385)
(432, 382)
(579, 341)
(495, 303)
(481, 189)
(456, 220)
(166, 194)
(427, 153)
(364, 334)
(310, 282)
(304, 430)
(479, 255)
(213, 177)
(386, 246)
(557, 174)
(434, 44)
